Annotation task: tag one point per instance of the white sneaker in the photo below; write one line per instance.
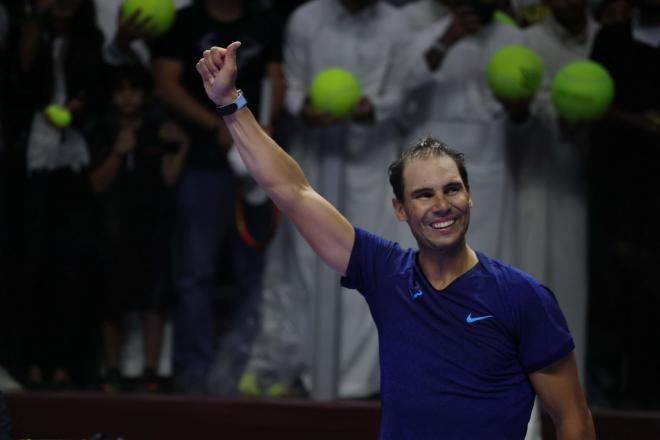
(8, 383)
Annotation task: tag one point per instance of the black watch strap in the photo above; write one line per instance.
(229, 109)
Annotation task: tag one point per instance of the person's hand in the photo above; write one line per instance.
(465, 22)
(218, 70)
(131, 28)
(125, 141)
(363, 111)
(315, 117)
(518, 109)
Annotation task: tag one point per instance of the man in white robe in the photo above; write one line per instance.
(364, 37)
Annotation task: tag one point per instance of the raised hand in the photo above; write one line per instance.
(218, 70)
(132, 27)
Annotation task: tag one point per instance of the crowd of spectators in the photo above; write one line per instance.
(141, 204)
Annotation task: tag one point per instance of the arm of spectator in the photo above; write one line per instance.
(172, 163)
(325, 229)
(647, 123)
(464, 22)
(129, 29)
(167, 74)
(103, 176)
(559, 390)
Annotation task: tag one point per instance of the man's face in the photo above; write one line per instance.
(436, 203)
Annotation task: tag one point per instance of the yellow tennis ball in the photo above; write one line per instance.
(582, 90)
(335, 90)
(160, 13)
(514, 72)
(58, 115)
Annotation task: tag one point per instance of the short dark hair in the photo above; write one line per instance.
(425, 148)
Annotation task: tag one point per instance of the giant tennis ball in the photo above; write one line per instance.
(58, 115)
(514, 72)
(160, 13)
(335, 90)
(582, 90)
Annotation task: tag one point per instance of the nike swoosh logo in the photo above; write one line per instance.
(470, 319)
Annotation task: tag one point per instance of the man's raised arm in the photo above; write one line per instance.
(328, 232)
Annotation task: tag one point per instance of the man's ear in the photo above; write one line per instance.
(399, 211)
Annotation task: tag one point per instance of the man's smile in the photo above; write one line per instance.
(443, 224)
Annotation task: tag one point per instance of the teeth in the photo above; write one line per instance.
(440, 225)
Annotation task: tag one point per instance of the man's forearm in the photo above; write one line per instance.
(275, 171)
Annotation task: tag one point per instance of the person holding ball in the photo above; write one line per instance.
(466, 342)
(361, 38)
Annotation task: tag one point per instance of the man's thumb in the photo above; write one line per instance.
(231, 51)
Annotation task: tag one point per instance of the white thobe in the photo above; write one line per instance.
(322, 34)
(551, 185)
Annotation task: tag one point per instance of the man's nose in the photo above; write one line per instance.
(441, 204)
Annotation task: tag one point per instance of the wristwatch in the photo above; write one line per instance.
(239, 103)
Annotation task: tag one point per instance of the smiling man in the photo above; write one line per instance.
(466, 342)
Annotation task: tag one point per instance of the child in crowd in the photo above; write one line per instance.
(136, 159)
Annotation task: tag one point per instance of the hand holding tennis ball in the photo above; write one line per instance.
(58, 115)
(158, 15)
(582, 91)
(335, 91)
(514, 72)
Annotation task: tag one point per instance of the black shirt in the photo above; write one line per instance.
(195, 31)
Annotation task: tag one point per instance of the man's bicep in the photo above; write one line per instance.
(558, 387)
(326, 230)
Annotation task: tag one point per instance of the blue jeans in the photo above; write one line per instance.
(204, 232)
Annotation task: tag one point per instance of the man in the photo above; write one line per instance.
(361, 36)
(204, 228)
(549, 169)
(452, 97)
(625, 241)
(440, 375)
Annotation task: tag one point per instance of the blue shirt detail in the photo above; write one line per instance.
(442, 377)
(470, 319)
